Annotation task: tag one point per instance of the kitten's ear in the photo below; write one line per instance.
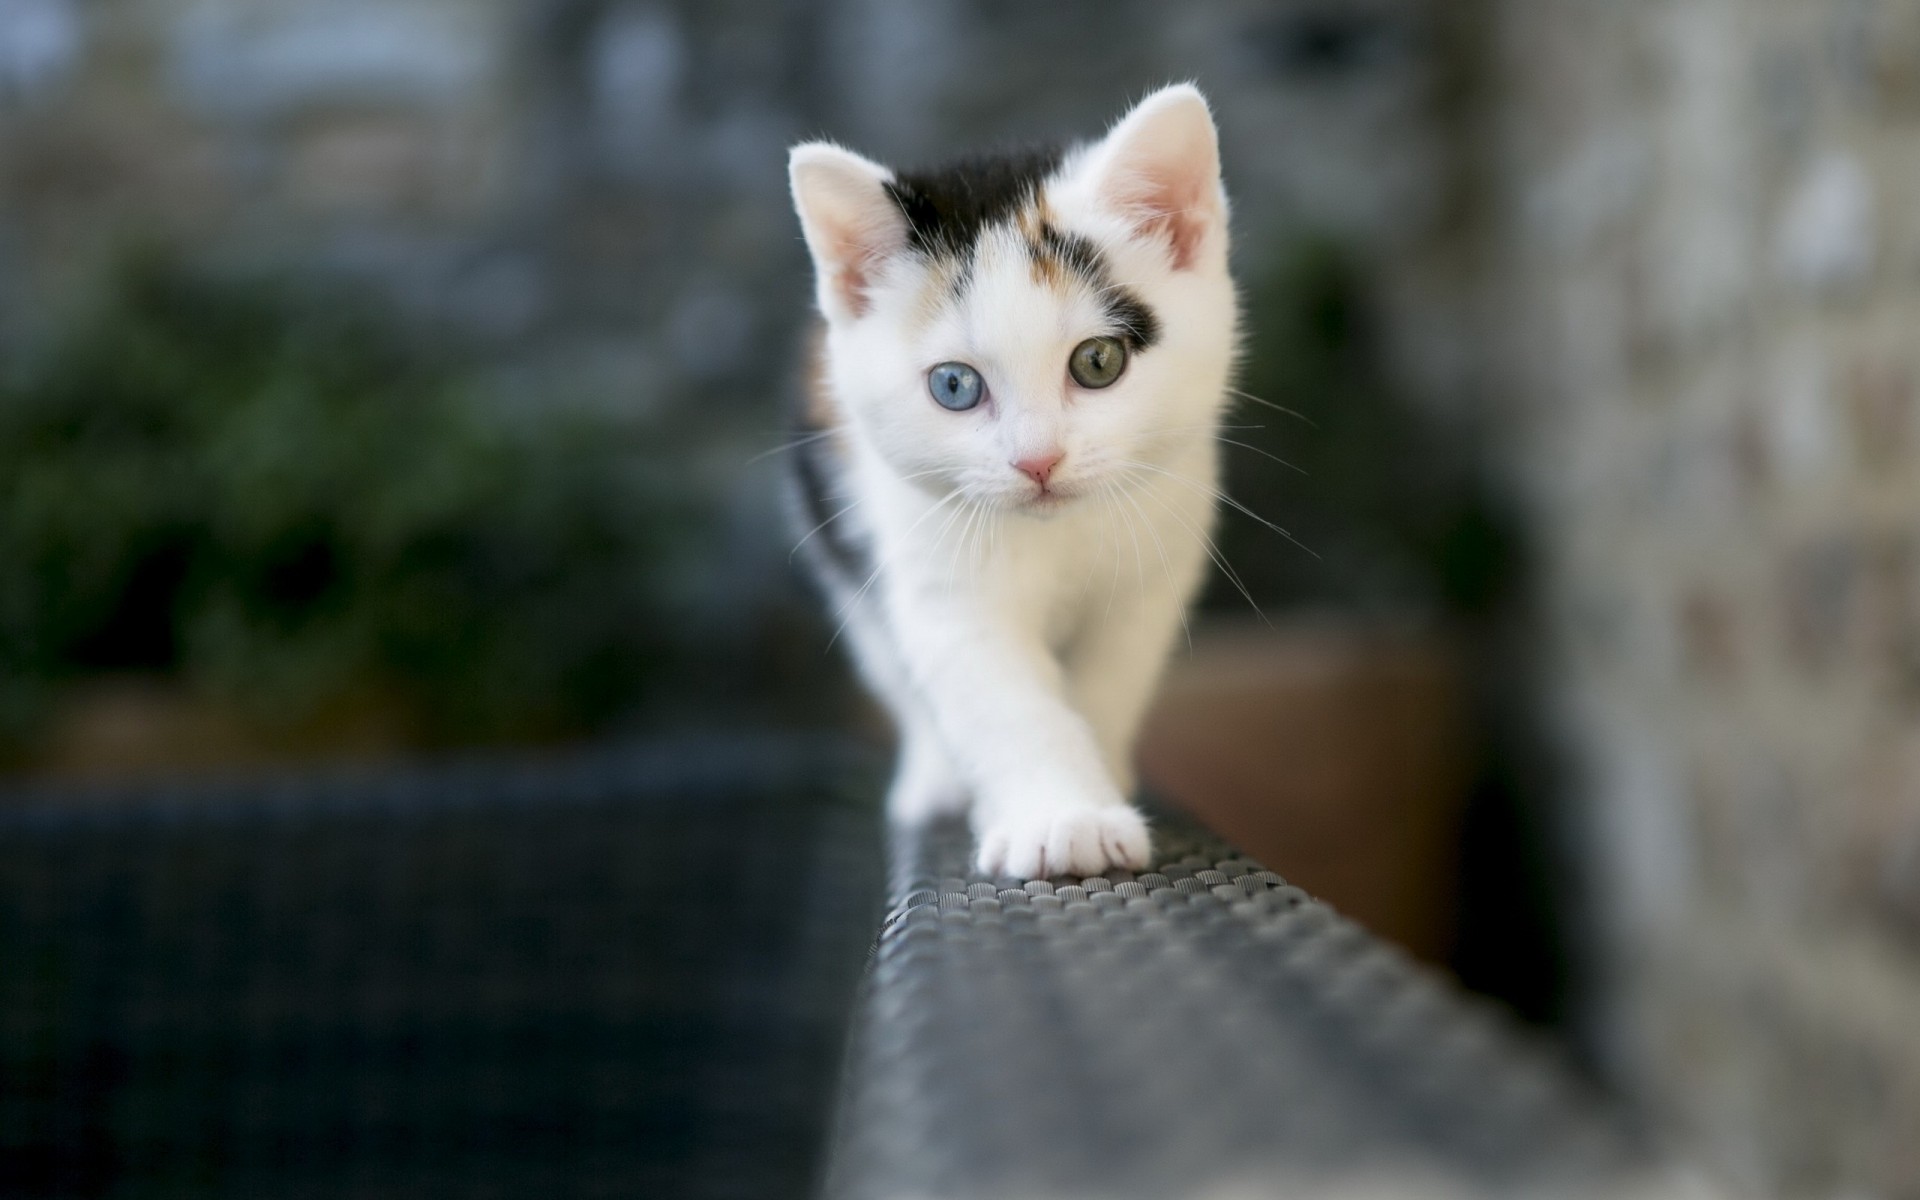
(1160, 169)
(851, 222)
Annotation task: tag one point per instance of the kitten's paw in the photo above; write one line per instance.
(1074, 841)
(924, 788)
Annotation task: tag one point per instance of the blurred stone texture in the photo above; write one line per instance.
(1703, 286)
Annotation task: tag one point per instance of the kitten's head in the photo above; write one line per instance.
(1028, 328)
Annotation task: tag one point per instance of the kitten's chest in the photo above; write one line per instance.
(1051, 577)
(1058, 576)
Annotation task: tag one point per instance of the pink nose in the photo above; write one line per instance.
(1038, 467)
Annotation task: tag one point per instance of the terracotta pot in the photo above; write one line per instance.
(1337, 754)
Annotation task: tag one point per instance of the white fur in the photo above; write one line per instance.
(1018, 639)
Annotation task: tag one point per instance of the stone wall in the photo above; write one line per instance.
(1702, 245)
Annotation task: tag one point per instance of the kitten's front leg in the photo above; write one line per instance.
(925, 784)
(1044, 803)
(1115, 666)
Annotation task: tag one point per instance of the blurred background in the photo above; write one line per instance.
(383, 379)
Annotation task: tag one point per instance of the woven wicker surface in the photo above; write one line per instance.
(627, 974)
(1200, 1030)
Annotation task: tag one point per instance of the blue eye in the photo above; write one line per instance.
(955, 385)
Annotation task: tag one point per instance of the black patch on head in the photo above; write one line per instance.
(1139, 328)
(1076, 252)
(1137, 325)
(947, 206)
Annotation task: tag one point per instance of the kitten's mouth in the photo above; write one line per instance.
(1048, 499)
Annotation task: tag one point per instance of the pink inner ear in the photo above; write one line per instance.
(852, 225)
(861, 243)
(1171, 206)
(1162, 172)
(1177, 213)
(850, 281)
(847, 263)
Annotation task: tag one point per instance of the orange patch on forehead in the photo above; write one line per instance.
(1032, 224)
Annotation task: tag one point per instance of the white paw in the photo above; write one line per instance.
(1069, 841)
(924, 787)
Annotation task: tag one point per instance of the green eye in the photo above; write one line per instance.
(1097, 362)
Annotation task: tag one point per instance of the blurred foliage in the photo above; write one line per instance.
(1391, 511)
(261, 495)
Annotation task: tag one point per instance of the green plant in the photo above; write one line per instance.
(266, 497)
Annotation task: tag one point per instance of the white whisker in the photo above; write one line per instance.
(1223, 498)
(1214, 552)
(795, 444)
(1279, 408)
(1108, 533)
(817, 528)
(959, 544)
(1139, 561)
(1263, 453)
(846, 610)
(851, 505)
(1197, 425)
(1165, 563)
(970, 537)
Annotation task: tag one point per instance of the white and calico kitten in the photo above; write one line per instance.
(1011, 478)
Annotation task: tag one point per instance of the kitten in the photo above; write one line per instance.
(1010, 465)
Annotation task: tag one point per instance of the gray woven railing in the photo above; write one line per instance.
(1201, 1030)
(628, 974)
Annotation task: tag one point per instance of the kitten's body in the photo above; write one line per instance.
(1012, 575)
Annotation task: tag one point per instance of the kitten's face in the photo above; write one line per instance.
(1034, 331)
